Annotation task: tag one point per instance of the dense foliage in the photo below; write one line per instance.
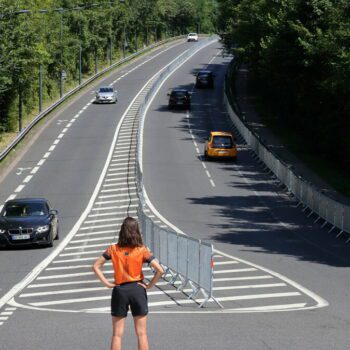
(299, 51)
(52, 39)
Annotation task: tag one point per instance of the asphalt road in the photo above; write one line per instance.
(241, 210)
(254, 226)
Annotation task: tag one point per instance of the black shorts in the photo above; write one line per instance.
(129, 295)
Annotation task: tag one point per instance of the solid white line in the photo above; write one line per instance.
(102, 220)
(120, 189)
(112, 213)
(248, 278)
(19, 188)
(120, 178)
(119, 206)
(34, 170)
(27, 179)
(117, 184)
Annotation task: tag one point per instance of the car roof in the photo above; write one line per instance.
(180, 90)
(106, 87)
(221, 133)
(28, 200)
(192, 34)
(206, 71)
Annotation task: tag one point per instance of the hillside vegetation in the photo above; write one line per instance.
(48, 35)
(299, 55)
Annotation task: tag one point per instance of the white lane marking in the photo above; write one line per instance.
(12, 196)
(73, 267)
(3, 319)
(218, 272)
(218, 53)
(56, 284)
(1, 323)
(52, 148)
(86, 247)
(28, 178)
(34, 170)
(103, 220)
(10, 309)
(98, 226)
(94, 233)
(120, 189)
(217, 263)
(212, 182)
(57, 141)
(6, 313)
(92, 239)
(69, 125)
(19, 188)
(81, 253)
(41, 162)
(116, 179)
(248, 278)
(46, 155)
(73, 260)
(66, 291)
(64, 130)
(60, 136)
(113, 214)
(66, 275)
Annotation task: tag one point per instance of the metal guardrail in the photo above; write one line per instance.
(44, 113)
(310, 197)
(187, 261)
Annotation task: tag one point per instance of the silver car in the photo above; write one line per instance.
(106, 94)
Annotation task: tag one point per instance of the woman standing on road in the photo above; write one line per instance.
(129, 290)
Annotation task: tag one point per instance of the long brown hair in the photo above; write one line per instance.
(129, 235)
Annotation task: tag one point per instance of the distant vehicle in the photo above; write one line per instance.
(220, 144)
(106, 94)
(205, 78)
(192, 37)
(28, 221)
(179, 98)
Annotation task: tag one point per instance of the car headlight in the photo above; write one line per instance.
(42, 229)
(2, 231)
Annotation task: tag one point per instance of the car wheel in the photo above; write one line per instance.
(50, 242)
(57, 233)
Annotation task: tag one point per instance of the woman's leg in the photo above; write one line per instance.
(140, 323)
(118, 331)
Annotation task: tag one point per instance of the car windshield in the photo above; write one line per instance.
(222, 141)
(24, 209)
(106, 89)
(178, 94)
(203, 74)
(192, 34)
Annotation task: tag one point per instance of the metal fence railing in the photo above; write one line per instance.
(310, 197)
(44, 113)
(187, 261)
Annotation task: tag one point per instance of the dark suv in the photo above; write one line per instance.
(205, 78)
(179, 98)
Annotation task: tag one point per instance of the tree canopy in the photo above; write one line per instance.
(299, 53)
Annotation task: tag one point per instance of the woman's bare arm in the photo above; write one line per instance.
(96, 267)
(159, 271)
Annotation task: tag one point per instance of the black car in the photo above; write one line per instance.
(205, 78)
(28, 221)
(179, 98)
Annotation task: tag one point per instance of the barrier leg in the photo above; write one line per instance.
(340, 233)
(348, 240)
(310, 214)
(183, 283)
(331, 229)
(195, 290)
(324, 224)
(317, 219)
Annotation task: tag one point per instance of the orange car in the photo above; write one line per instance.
(220, 144)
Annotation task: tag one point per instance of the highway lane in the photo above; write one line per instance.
(66, 160)
(240, 208)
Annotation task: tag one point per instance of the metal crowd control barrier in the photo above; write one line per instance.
(311, 198)
(187, 261)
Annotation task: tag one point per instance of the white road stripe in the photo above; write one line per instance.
(119, 206)
(58, 284)
(92, 239)
(19, 188)
(56, 142)
(70, 291)
(264, 277)
(3, 319)
(103, 220)
(12, 196)
(217, 263)
(98, 226)
(52, 148)
(73, 260)
(73, 267)
(119, 189)
(112, 214)
(94, 233)
(46, 155)
(81, 253)
(41, 162)
(234, 270)
(6, 313)
(88, 246)
(34, 170)
(27, 179)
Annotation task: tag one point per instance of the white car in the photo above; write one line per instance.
(106, 94)
(192, 37)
